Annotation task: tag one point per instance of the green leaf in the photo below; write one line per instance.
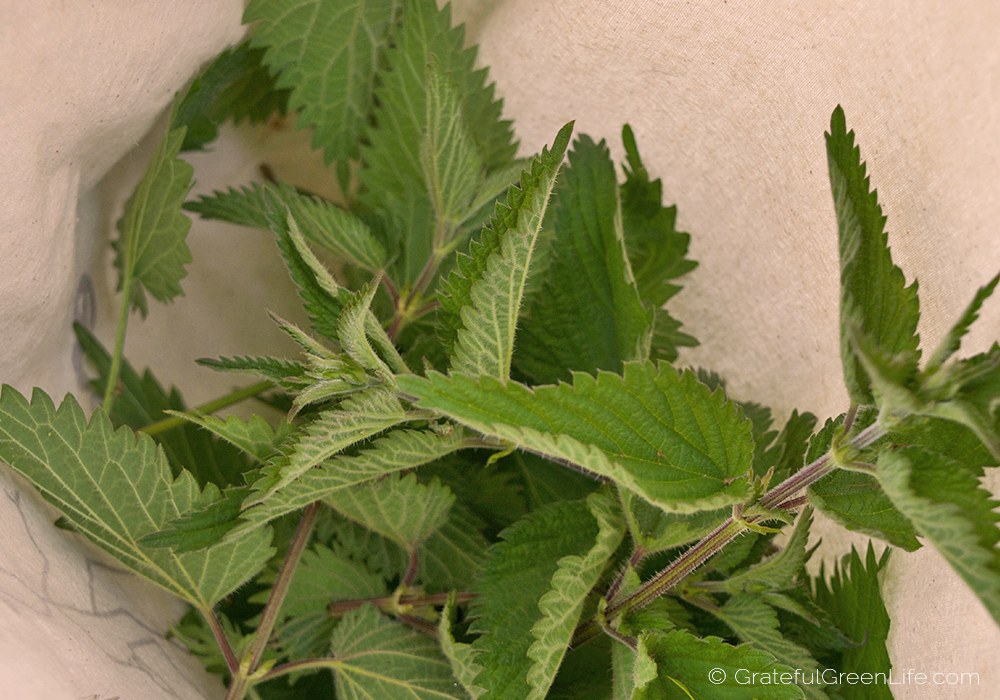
(359, 417)
(485, 343)
(327, 53)
(525, 202)
(946, 503)
(150, 249)
(143, 401)
(754, 621)
(855, 500)
(656, 249)
(396, 451)
(587, 315)
(356, 325)
(684, 662)
(653, 431)
(872, 287)
(778, 571)
(244, 206)
(656, 531)
(255, 437)
(452, 166)
(116, 487)
(397, 508)
(787, 452)
(374, 657)
(286, 373)
(853, 600)
(953, 340)
(462, 657)
(562, 606)
(392, 178)
(520, 568)
(235, 85)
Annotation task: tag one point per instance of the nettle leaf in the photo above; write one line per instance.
(115, 487)
(754, 621)
(235, 85)
(288, 374)
(778, 571)
(327, 53)
(375, 657)
(396, 451)
(244, 206)
(485, 342)
(953, 339)
(358, 418)
(357, 325)
(786, 453)
(142, 401)
(587, 315)
(255, 437)
(392, 178)
(562, 606)
(525, 207)
(945, 501)
(655, 531)
(399, 509)
(854, 603)
(520, 568)
(873, 291)
(683, 663)
(150, 253)
(657, 251)
(452, 166)
(654, 431)
(856, 501)
(462, 657)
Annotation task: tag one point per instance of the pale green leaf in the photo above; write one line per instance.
(358, 418)
(399, 509)
(778, 571)
(462, 657)
(655, 530)
(493, 187)
(946, 503)
(753, 620)
(654, 431)
(523, 202)
(244, 206)
(374, 657)
(151, 249)
(356, 325)
(327, 52)
(587, 315)
(256, 437)
(485, 343)
(334, 229)
(396, 451)
(684, 662)
(520, 568)
(572, 582)
(872, 287)
(450, 160)
(953, 340)
(286, 373)
(116, 487)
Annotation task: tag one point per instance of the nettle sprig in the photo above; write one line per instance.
(491, 481)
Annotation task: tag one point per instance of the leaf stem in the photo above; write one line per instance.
(110, 389)
(220, 638)
(234, 397)
(386, 603)
(250, 662)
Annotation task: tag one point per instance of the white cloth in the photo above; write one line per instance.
(728, 102)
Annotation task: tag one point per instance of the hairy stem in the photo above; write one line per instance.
(110, 390)
(232, 663)
(166, 424)
(385, 603)
(782, 496)
(250, 662)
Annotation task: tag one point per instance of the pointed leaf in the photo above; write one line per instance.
(588, 314)
(778, 571)
(336, 230)
(571, 584)
(485, 342)
(374, 657)
(462, 657)
(656, 432)
(150, 250)
(953, 340)
(872, 287)
(520, 568)
(286, 373)
(398, 450)
(327, 52)
(257, 438)
(944, 500)
(244, 206)
(116, 487)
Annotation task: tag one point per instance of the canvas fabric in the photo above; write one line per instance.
(728, 102)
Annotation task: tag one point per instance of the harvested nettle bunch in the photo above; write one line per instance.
(492, 482)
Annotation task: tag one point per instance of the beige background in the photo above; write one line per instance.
(728, 101)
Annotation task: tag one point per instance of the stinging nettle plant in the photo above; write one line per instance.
(491, 481)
